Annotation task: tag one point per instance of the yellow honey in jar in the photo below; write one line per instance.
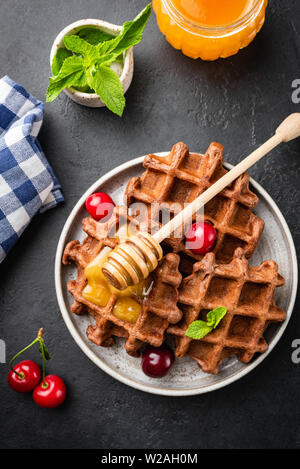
(210, 29)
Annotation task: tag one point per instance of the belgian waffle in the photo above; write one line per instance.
(170, 182)
(249, 295)
(156, 314)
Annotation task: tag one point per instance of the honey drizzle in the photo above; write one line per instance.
(98, 290)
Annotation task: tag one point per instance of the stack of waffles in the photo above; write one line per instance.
(187, 285)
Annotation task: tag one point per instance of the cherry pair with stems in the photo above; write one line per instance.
(48, 391)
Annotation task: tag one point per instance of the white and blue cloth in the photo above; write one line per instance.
(27, 183)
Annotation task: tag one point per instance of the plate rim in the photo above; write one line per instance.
(115, 374)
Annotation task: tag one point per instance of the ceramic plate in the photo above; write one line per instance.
(185, 377)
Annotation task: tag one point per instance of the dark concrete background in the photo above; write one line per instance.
(239, 102)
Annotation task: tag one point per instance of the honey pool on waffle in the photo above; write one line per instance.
(139, 319)
(99, 290)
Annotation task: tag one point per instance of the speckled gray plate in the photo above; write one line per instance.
(185, 377)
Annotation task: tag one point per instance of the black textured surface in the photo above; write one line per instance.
(239, 102)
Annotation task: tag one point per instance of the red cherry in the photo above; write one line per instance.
(100, 206)
(52, 395)
(30, 376)
(156, 361)
(201, 237)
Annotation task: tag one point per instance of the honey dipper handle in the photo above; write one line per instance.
(288, 130)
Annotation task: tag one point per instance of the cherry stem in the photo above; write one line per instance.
(21, 375)
(39, 339)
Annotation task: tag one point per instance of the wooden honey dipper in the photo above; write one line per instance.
(133, 260)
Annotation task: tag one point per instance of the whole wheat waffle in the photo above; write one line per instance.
(159, 308)
(178, 178)
(247, 292)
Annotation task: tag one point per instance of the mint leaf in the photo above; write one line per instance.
(72, 73)
(199, 329)
(80, 46)
(215, 316)
(107, 59)
(133, 34)
(94, 35)
(107, 85)
(58, 59)
(130, 35)
(76, 79)
(71, 64)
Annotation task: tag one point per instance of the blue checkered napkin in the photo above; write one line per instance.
(27, 183)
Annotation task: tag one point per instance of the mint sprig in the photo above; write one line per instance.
(84, 63)
(199, 329)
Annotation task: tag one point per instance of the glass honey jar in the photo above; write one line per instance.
(210, 29)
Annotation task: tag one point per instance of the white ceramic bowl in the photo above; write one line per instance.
(185, 377)
(92, 99)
